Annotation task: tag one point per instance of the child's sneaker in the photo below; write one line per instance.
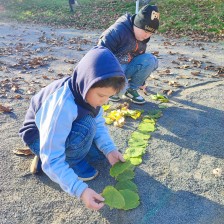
(133, 95)
(114, 98)
(84, 171)
(35, 165)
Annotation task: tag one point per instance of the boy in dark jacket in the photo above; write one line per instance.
(64, 124)
(127, 38)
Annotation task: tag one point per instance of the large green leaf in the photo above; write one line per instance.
(135, 152)
(126, 184)
(137, 143)
(146, 127)
(119, 168)
(113, 197)
(126, 175)
(131, 199)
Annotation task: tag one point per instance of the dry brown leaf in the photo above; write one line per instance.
(183, 77)
(45, 77)
(168, 91)
(17, 96)
(23, 151)
(171, 53)
(195, 73)
(5, 109)
(156, 53)
(165, 72)
(184, 66)
(183, 59)
(174, 84)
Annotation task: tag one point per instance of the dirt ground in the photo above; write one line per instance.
(181, 180)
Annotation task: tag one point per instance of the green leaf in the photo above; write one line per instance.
(113, 197)
(147, 119)
(136, 160)
(126, 175)
(162, 106)
(155, 114)
(139, 135)
(126, 184)
(146, 127)
(119, 168)
(131, 199)
(135, 152)
(134, 143)
(160, 97)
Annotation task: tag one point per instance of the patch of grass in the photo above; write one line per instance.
(178, 16)
(192, 15)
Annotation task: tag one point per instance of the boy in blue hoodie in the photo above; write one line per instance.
(64, 124)
(127, 38)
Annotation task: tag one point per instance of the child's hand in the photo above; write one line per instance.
(92, 200)
(115, 157)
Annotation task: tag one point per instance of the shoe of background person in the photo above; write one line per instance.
(35, 166)
(114, 98)
(133, 95)
(84, 171)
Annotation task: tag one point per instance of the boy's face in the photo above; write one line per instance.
(141, 34)
(99, 95)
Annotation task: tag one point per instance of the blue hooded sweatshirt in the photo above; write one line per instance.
(53, 110)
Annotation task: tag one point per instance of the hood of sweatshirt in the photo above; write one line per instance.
(98, 64)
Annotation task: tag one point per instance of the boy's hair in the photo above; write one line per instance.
(117, 83)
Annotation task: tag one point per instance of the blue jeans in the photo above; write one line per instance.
(79, 143)
(139, 69)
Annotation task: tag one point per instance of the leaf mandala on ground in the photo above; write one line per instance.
(123, 172)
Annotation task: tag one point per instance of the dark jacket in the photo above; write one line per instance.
(120, 39)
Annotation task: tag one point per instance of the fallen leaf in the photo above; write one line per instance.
(195, 73)
(5, 109)
(24, 151)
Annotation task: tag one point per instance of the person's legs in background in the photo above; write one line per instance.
(72, 5)
(137, 71)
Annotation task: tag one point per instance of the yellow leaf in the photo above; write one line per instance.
(108, 120)
(136, 115)
(106, 107)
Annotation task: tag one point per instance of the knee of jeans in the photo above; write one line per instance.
(150, 61)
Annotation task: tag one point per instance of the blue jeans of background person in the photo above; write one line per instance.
(79, 143)
(139, 69)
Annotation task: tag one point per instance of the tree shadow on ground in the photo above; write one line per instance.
(196, 127)
(160, 204)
